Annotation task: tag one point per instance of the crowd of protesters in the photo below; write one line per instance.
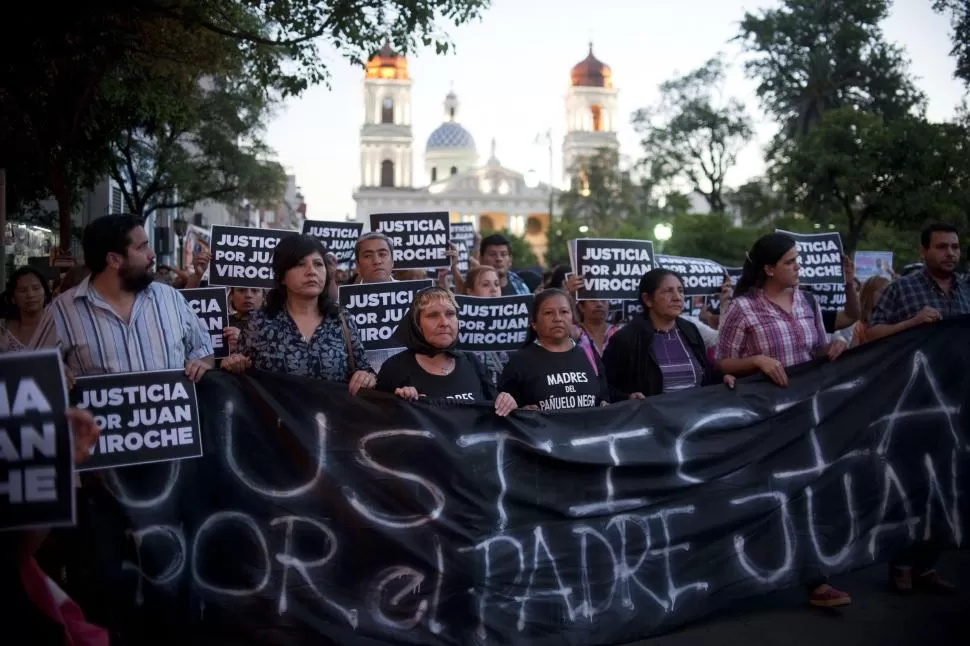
(120, 314)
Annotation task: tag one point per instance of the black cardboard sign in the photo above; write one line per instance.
(211, 305)
(377, 309)
(36, 444)
(493, 324)
(144, 417)
(339, 238)
(611, 269)
(243, 256)
(420, 239)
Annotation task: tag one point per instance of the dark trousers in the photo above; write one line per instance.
(921, 556)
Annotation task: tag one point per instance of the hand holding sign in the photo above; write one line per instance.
(85, 431)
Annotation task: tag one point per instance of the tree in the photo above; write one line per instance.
(959, 13)
(602, 196)
(693, 135)
(61, 65)
(712, 236)
(758, 202)
(899, 172)
(810, 57)
(206, 146)
(557, 241)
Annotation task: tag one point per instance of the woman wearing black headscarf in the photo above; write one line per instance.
(431, 367)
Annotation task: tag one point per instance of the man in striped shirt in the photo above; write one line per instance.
(118, 319)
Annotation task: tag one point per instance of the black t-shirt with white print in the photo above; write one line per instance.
(467, 382)
(535, 376)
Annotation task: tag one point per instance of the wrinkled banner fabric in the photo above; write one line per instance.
(317, 518)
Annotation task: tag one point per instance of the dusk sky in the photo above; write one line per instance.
(511, 70)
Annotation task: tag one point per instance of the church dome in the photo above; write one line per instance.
(591, 72)
(387, 64)
(450, 135)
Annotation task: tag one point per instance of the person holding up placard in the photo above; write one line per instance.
(118, 319)
(431, 367)
(482, 281)
(25, 298)
(552, 372)
(301, 331)
(243, 301)
(496, 251)
(374, 255)
(659, 352)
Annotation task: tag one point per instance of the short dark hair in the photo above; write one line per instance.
(926, 235)
(107, 234)
(287, 255)
(494, 240)
(373, 235)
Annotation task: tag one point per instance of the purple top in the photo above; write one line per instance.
(679, 368)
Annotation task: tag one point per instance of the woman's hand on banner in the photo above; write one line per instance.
(85, 431)
(529, 407)
(835, 349)
(505, 404)
(236, 363)
(361, 380)
(409, 393)
(729, 381)
(772, 369)
(637, 395)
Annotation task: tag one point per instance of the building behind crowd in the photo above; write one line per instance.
(491, 196)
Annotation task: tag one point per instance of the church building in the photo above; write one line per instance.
(490, 196)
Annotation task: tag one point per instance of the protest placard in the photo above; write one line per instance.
(420, 239)
(144, 417)
(463, 237)
(491, 324)
(243, 256)
(211, 306)
(701, 277)
(36, 443)
(611, 269)
(632, 309)
(377, 308)
(339, 238)
(830, 297)
(873, 263)
(819, 257)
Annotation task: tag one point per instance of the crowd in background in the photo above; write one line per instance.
(120, 314)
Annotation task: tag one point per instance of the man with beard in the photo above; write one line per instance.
(118, 319)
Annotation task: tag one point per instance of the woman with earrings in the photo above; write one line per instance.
(553, 372)
(430, 367)
(771, 325)
(300, 330)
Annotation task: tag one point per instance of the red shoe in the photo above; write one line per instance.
(825, 596)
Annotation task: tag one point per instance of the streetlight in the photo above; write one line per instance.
(181, 227)
(662, 233)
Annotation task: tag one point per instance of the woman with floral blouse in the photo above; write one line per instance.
(300, 330)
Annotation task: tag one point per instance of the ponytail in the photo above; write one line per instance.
(767, 250)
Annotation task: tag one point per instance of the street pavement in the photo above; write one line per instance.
(876, 617)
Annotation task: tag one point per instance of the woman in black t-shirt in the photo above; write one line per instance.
(552, 372)
(431, 367)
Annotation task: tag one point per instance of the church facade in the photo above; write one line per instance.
(490, 196)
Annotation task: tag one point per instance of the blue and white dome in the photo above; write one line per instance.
(450, 136)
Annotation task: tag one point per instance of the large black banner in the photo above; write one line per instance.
(317, 518)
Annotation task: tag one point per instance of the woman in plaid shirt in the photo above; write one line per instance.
(769, 326)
